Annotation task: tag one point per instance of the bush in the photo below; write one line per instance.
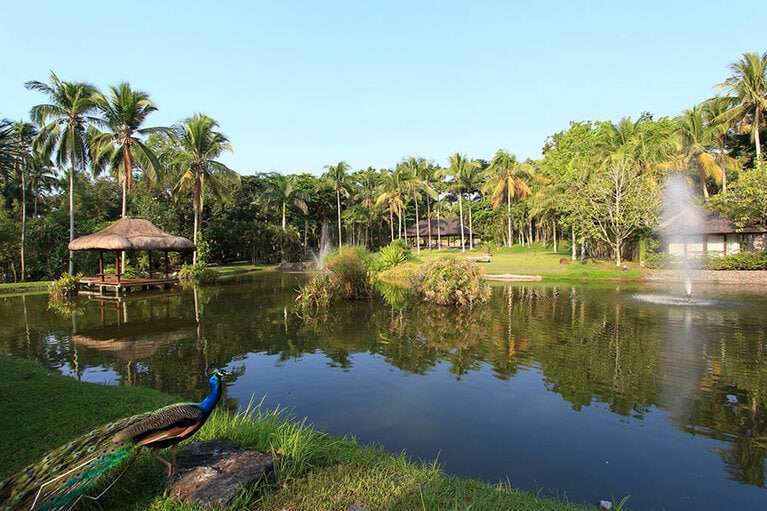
(344, 276)
(450, 281)
(741, 261)
(64, 287)
(200, 273)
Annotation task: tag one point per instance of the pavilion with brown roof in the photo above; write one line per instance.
(449, 229)
(126, 235)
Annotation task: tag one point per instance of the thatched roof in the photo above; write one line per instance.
(445, 227)
(132, 233)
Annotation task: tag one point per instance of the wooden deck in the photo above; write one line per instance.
(111, 285)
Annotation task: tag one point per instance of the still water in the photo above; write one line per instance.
(581, 392)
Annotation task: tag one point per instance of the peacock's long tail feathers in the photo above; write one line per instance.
(67, 472)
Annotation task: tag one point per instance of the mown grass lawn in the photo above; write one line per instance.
(543, 262)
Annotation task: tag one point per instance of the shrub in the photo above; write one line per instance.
(200, 273)
(64, 287)
(450, 281)
(742, 261)
(344, 276)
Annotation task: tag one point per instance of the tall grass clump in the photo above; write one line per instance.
(450, 281)
(345, 275)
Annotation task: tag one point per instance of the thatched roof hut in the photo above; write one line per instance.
(132, 233)
(445, 227)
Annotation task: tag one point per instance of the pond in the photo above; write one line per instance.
(579, 392)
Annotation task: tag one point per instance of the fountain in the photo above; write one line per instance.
(681, 222)
(325, 246)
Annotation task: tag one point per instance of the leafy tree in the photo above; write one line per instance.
(747, 92)
(63, 133)
(123, 113)
(200, 143)
(620, 201)
(746, 202)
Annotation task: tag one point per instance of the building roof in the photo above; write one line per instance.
(699, 220)
(132, 233)
(445, 227)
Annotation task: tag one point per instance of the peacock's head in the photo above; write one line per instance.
(214, 372)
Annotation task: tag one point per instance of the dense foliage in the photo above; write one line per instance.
(88, 157)
(451, 281)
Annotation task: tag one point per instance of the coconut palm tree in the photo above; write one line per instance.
(695, 140)
(391, 187)
(24, 160)
(200, 143)
(714, 113)
(282, 190)
(63, 130)
(508, 180)
(747, 91)
(365, 190)
(459, 169)
(339, 179)
(119, 147)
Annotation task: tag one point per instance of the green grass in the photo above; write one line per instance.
(16, 288)
(542, 262)
(318, 471)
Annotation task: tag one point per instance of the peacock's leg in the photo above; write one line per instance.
(172, 468)
(156, 454)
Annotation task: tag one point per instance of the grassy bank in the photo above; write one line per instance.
(44, 410)
(542, 262)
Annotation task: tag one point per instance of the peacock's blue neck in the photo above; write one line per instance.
(209, 402)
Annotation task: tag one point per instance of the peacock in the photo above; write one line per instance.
(66, 473)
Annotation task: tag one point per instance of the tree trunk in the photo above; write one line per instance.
(508, 214)
(460, 220)
(417, 226)
(23, 220)
(471, 229)
(338, 205)
(71, 217)
(573, 250)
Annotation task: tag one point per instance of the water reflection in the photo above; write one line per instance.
(488, 379)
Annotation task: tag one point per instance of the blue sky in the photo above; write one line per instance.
(299, 85)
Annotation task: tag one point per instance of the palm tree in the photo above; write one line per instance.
(472, 181)
(63, 133)
(696, 140)
(747, 89)
(508, 180)
(200, 144)
(339, 179)
(24, 161)
(432, 177)
(415, 170)
(390, 186)
(714, 113)
(124, 111)
(459, 167)
(366, 186)
(282, 190)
